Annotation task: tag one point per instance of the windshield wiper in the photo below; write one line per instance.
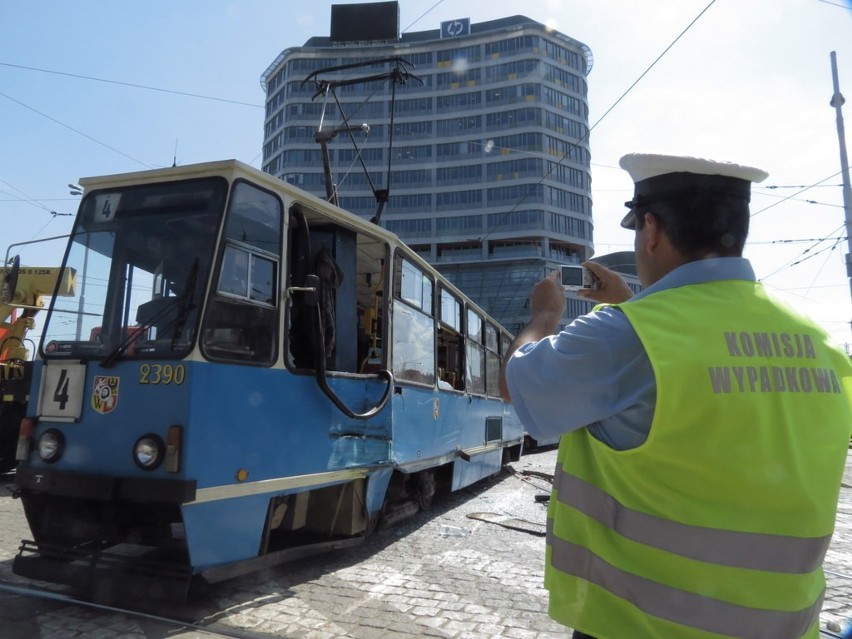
(183, 304)
(118, 351)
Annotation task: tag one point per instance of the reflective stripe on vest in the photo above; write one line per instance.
(773, 553)
(717, 525)
(678, 606)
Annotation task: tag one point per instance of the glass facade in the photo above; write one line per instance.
(487, 144)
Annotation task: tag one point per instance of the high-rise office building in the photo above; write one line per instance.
(482, 128)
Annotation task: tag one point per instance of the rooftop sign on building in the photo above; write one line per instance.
(364, 22)
(455, 28)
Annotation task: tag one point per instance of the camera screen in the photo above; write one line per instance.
(572, 276)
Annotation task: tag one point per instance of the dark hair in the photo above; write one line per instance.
(701, 223)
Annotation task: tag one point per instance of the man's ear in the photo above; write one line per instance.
(653, 231)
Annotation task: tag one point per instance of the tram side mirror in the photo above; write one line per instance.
(10, 280)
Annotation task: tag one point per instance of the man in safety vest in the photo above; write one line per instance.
(704, 426)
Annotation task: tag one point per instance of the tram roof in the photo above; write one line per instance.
(234, 169)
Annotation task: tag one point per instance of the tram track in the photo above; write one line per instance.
(211, 630)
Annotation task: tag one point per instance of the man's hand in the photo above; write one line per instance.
(547, 305)
(548, 299)
(611, 288)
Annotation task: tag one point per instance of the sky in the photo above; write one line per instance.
(101, 87)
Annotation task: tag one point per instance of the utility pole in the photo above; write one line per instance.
(837, 102)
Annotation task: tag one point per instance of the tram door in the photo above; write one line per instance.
(334, 263)
(329, 252)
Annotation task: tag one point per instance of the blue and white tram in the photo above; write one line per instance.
(248, 374)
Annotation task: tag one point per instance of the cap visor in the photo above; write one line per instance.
(629, 220)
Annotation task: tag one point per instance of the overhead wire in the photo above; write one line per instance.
(106, 81)
(554, 163)
(789, 197)
(423, 15)
(793, 197)
(33, 202)
(807, 254)
(575, 145)
(131, 84)
(26, 198)
(817, 274)
(77, 131)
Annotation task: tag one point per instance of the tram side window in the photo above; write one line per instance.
(505, 343)
(450, 342)
(492, 360)
(241, 322)
(475, 353)
(413, 324)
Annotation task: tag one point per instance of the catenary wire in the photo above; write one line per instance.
(806, 254)
(573, 146)
(588, 132)
(131, 84)
(77, 131)
(774, 204)
(427, 12)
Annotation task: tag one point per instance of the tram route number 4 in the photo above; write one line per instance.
(61, 392)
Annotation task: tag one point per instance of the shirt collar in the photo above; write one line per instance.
(709, 270)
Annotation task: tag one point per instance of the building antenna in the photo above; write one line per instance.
(174, 158)
(837, 102)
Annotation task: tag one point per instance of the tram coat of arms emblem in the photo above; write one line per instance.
(105, 393)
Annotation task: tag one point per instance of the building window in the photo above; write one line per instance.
(458, 79)
(456, 102)
(527, 193)
(459, 56)
(460, 126)
(421, 227)
(459, 174)
(512, 94)
(460, 225)
(516, 221)
(458, 200)
(512, 46)
(517, 70)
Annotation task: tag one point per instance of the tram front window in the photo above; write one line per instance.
(242, 317)
(142, 255)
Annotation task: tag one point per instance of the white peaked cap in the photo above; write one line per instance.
(642, 166)
(659, 177)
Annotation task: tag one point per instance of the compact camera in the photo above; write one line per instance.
(576, 278)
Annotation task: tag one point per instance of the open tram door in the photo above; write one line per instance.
(335, 291)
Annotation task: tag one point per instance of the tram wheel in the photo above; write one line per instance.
(426, 489)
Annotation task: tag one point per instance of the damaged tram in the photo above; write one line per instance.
(249, 375)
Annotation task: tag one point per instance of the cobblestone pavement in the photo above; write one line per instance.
(469, 569)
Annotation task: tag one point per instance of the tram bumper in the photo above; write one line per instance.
(75, 517)
(66, 483)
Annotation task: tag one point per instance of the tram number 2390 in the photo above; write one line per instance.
(162, 374)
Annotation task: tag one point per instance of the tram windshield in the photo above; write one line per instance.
(142, 255)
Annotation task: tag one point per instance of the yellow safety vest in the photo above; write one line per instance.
(718, 524)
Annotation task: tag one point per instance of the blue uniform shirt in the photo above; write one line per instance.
(596, 373)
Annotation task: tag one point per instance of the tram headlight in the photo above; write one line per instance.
(148, 451)
(50, 445)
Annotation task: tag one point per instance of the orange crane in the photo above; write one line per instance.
(22, 292)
